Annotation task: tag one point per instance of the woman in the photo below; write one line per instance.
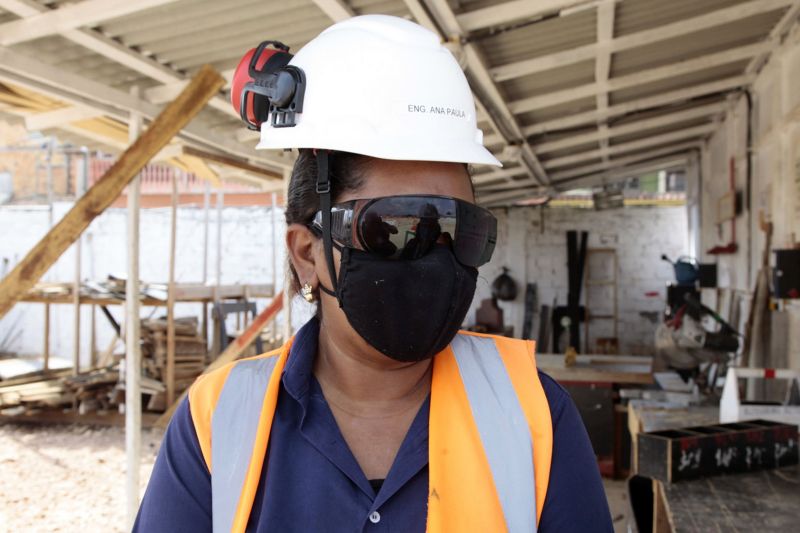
(378, 415)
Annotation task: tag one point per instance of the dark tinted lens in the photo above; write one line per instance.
(406, 227)
(476, 235)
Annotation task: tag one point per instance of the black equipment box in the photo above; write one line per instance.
(786, 276)
(707, 275)
(700, 451)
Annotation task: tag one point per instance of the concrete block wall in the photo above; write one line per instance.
(775, 184)
(532, 243)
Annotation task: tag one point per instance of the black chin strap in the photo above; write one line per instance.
(324, 191)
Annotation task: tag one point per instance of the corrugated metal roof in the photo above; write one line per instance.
(545, 55)
(539, 38)
(678, 82)
(637, 15)
(573, 107)
(550, 81)
(723, 37)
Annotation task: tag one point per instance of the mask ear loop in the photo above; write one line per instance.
(324, 192)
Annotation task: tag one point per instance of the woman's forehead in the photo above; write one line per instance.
(383, 177)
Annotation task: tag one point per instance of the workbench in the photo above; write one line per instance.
(620, 369)
(764, 501)
(593, 382)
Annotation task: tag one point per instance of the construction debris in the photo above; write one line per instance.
(101, 389)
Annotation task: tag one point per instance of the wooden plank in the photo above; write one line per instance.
(93, 338)
(169, 122)
(188, 292)
(170, 370)
(661, 522)
(46, 350)
(598, 368)
(231, 162)
(234, 349)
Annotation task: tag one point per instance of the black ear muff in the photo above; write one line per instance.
(265, 87)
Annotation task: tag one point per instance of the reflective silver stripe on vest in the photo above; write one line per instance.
(234, 425)
(502, 426)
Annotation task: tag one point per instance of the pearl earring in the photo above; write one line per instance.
(308, 292)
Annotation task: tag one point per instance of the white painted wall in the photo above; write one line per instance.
(532, 243)
(775, 181)
(246, 250)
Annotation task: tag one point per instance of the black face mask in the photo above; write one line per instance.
(408, 310)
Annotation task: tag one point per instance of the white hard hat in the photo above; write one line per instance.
(384, 87)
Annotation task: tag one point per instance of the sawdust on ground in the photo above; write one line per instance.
(67, 478)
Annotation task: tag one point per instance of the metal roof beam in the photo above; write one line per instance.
(626, 160)
(774, 38)
(639, 78)
(647, 142)
(70, 17)
(650, 102)
(598, 170)
(484, 86)
(602, 70)
(27, 71)
(616, 174)
(500, 14)
(116, 51)
(641, 38)
(337, 10)
(494, 175)
(59, 117)
(632, 127)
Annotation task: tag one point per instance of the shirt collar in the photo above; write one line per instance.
(300, 364)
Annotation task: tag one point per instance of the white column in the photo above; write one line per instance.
(133, 356)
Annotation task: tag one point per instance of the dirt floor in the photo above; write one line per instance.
(66, 477)
(71, 478)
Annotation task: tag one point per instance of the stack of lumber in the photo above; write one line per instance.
(91, 390)
(190, 351)
(103, 388)
(35, 389)
(112, 288)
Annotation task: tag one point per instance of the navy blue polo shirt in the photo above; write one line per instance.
(312, 483)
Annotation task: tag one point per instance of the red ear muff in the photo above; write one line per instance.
(264, 84)
(241, 77)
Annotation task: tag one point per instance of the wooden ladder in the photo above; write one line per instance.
(607, 258)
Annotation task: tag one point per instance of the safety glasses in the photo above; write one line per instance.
(407, 227)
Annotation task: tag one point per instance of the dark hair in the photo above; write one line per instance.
(302, 203)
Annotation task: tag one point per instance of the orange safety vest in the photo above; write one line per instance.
(489, 446)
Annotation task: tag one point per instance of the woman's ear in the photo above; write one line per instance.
(300, 242)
